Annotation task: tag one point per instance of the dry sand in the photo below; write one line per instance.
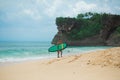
(98, 65)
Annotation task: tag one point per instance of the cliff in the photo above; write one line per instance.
(89, 29)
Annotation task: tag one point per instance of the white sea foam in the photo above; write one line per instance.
(22, 59)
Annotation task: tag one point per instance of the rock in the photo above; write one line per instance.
(106, 36)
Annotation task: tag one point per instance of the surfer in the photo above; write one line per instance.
(59, 51)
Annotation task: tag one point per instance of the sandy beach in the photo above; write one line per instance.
(97, 65)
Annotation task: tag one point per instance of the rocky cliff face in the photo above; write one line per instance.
(107, 35)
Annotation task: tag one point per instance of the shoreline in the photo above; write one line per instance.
(7, 63)
(97, 65)
(50, 56)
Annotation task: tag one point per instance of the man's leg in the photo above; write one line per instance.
(58, 54)
(61, 53)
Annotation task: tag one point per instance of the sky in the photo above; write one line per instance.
(34, 20)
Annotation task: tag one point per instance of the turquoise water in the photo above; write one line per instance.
(21, 51)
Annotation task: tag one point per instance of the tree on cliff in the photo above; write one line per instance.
(63, 21)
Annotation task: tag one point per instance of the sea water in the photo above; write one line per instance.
(22, 51)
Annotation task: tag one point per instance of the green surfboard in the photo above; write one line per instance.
(57, 47)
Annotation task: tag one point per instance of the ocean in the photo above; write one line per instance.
(23, 51)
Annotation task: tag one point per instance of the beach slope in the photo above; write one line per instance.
(97, 65)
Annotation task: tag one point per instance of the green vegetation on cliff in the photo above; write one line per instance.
(82, 26)
(118, 29)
